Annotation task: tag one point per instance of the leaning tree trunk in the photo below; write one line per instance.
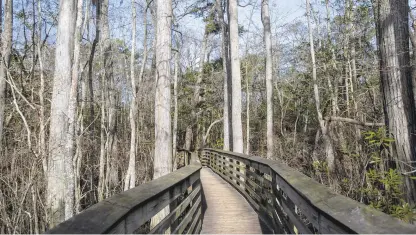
(236, 79)
(59, 163)
(265, 16)
(397, 85)
(163, 131)
(329, 149)
(6, 40)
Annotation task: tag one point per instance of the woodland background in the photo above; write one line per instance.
(331, 111)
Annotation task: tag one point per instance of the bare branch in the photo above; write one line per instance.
(353, 121)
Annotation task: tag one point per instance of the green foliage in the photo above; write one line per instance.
(219, 143)
(378, 138)
(384, 187)
(320, 166)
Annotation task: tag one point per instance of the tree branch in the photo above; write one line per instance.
(353, 121)
(209, 128)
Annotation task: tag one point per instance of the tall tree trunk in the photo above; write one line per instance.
(6, 49)
(130, 180)
(59, 163)
(42, 124)
(110, 93)
(236, 79)
(72, 111)
(329, 150)
(397, 85)
(265, 16)
(163, 132)
(227, 76)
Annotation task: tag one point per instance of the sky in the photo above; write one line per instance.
(281, 12)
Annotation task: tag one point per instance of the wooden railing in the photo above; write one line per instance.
(289, 202)
(132, 210)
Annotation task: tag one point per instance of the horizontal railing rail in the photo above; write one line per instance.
(131, 211)
(288, 201)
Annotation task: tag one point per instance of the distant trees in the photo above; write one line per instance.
(85, 98)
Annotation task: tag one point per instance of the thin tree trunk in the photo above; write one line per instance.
(175, 107)
(42, 123)
(247, 112)
(130, 180)
(6, 41)
(269, 76)
(227, 76)
(110, 93)
(91, 60)
(329, 151)
(236, 78)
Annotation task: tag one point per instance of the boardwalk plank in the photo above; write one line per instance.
(227, 212)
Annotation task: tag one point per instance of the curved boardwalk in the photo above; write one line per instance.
(227, 211)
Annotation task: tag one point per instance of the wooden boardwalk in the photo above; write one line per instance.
(227, 211)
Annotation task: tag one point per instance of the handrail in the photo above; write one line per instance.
(132, 210)
(287, 201)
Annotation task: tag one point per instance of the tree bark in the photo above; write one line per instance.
(6, 49)
(130, 180)
(72, 107)
(59, 164)
(397, 84)
(163, 132)
(269, 75)
(227, 77)
(175, 112)
(237, 126)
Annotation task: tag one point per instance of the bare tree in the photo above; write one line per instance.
(175, 107)
(265, 16)
(329, 149)
(130, 179)
(72, 107)
(163, 132)
(237, 126)
(6, 49)
(59, 163)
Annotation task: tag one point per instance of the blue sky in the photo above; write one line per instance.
(282, 11)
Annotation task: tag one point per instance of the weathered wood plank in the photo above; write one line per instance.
(327, 211)
(106, 216)
(188, 218)
(174, 215)
(227, 212)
